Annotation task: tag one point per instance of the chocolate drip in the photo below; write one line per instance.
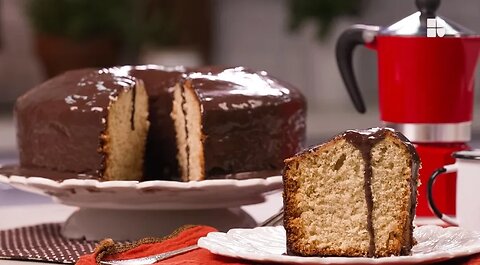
(132, 118)
(364, 141)
(184, 110)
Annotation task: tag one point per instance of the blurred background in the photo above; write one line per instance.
(291, 39)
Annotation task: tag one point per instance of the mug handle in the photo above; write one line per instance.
(346, 43)
(431, 202)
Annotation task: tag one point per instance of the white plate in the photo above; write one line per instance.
(267, 244)
(149, 195)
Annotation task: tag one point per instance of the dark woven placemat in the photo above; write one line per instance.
(42, 243)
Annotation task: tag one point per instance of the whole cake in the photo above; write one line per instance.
(352, 196)
(227, 123)
(90, 122)
(234, 120)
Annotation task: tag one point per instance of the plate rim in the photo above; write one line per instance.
(272, 180)
(423, 258)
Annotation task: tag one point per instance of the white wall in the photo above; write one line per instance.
(254, 33)
(19, 69)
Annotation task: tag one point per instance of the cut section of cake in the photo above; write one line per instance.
(161, 150)
(190, 138)
(352, 196)
(235, 123)
(89, 122)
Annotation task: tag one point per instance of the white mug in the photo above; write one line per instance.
(467, 166)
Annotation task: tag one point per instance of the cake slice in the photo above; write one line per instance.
(352, 196)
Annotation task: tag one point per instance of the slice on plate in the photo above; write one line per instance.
(352, 196)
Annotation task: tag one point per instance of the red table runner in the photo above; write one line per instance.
(45, 243)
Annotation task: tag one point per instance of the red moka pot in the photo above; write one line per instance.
(426, 70)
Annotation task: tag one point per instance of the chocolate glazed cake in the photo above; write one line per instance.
(352, 196)
(234, 121)
(227, 123)
(92, 123)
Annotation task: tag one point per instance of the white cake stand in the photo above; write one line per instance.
(97, 224)
(129, 210)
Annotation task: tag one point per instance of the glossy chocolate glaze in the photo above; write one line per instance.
(72, 109)
(250, 120)
(161, 150)
(364, 141)
(60, 122)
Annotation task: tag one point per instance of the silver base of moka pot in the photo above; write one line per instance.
(434, 132)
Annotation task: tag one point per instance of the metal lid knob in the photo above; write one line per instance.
(427, 7)
(416, 23)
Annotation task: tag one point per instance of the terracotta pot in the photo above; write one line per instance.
(59, 54)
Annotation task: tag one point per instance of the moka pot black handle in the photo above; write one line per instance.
(346, 43)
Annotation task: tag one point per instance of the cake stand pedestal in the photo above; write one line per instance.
(98, 224)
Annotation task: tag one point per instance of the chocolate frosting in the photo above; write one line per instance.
(60, 122)
(250, 120)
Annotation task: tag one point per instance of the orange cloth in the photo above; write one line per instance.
(186, 236)
(473, 260)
